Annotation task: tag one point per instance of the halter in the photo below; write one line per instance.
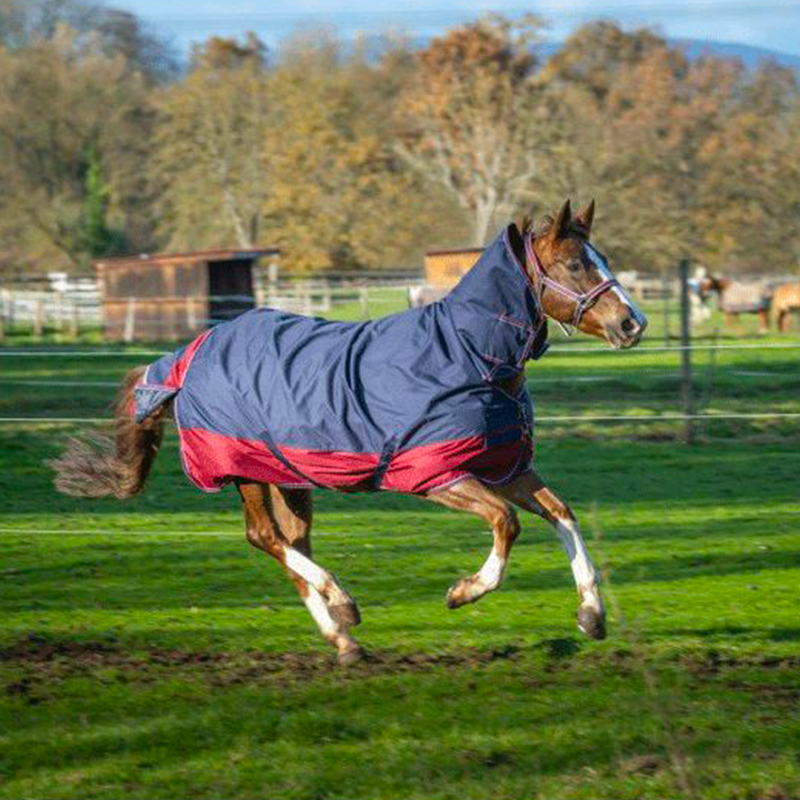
(583, 302)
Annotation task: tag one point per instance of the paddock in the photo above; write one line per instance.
(147, 650)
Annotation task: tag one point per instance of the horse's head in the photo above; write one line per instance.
(713, 283)
(575, 285)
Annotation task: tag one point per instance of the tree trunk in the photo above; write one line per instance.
(483, 213)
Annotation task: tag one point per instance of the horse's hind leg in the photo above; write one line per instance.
(292, 509)
(471, 495)
(529, 492)
(278, 521)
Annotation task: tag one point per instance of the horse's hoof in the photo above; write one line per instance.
(591, 623)
(455, 598)
(351, 656)
(345, 614)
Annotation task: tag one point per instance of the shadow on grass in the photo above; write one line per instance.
(770, 633)
(122, 575)
(618, 472)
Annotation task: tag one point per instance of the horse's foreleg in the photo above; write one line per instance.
(530, 493)
(278, 521)
(471, 495)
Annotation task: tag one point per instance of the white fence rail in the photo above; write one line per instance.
(69, 306)
(75, 306)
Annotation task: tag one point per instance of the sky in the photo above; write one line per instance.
(773, 24)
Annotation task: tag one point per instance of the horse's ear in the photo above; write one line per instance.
(562, 222)
(586, 217)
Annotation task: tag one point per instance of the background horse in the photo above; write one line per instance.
(479, 338)
(785, 299)
(739, 297)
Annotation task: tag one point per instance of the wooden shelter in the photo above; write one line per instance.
(445, 268)
(176, 296)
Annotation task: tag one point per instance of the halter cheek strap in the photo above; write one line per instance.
(583, 302)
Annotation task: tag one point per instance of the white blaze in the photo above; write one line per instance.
(605, 273)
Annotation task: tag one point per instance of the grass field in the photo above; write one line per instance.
(147, 652)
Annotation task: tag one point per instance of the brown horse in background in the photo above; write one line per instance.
(785, 299)
(572, 284)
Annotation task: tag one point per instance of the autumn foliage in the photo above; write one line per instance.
(364, 155)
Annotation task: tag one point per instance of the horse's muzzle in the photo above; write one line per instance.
(626, 331)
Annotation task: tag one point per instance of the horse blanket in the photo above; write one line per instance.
(410, 403)
(744, 298)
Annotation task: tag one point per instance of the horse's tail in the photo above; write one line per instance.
(97, 465)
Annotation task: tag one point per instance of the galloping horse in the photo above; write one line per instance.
(432, 401)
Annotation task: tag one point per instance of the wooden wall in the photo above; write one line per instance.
(445, 268)
(154, 301)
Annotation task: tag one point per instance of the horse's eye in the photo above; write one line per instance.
(574, 266)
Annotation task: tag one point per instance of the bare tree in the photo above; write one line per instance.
(471, 118)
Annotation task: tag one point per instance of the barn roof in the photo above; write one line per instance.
(461, 251)
(144, 259)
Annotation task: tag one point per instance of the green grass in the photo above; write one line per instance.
(644, 382)
(139, 659)
(147, 651)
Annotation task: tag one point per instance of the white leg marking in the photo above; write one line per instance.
(318, 609)
(316, 577)
(491, 573)
(331, 630)
(470, 589)
(306, 568)
(582, 568)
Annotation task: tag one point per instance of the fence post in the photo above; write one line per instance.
(364, 298)
(130, 321)
(8, 306)
(272, 282)
(686, 355)
(60, 312)
(74, 318)
(38, 318)
(665, 293)
(191, 316)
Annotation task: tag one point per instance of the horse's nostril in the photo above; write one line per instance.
(629, 325)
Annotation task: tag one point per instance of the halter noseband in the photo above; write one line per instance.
(583, 302)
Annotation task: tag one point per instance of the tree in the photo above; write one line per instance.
(634, 116)
(99, 239)
(110, 30)
(471, 118)
(59, 103)
(592, 57)
(752, 184)
(208, 168)
(339, 197)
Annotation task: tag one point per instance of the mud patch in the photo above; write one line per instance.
(45, 659)
(713, 663)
